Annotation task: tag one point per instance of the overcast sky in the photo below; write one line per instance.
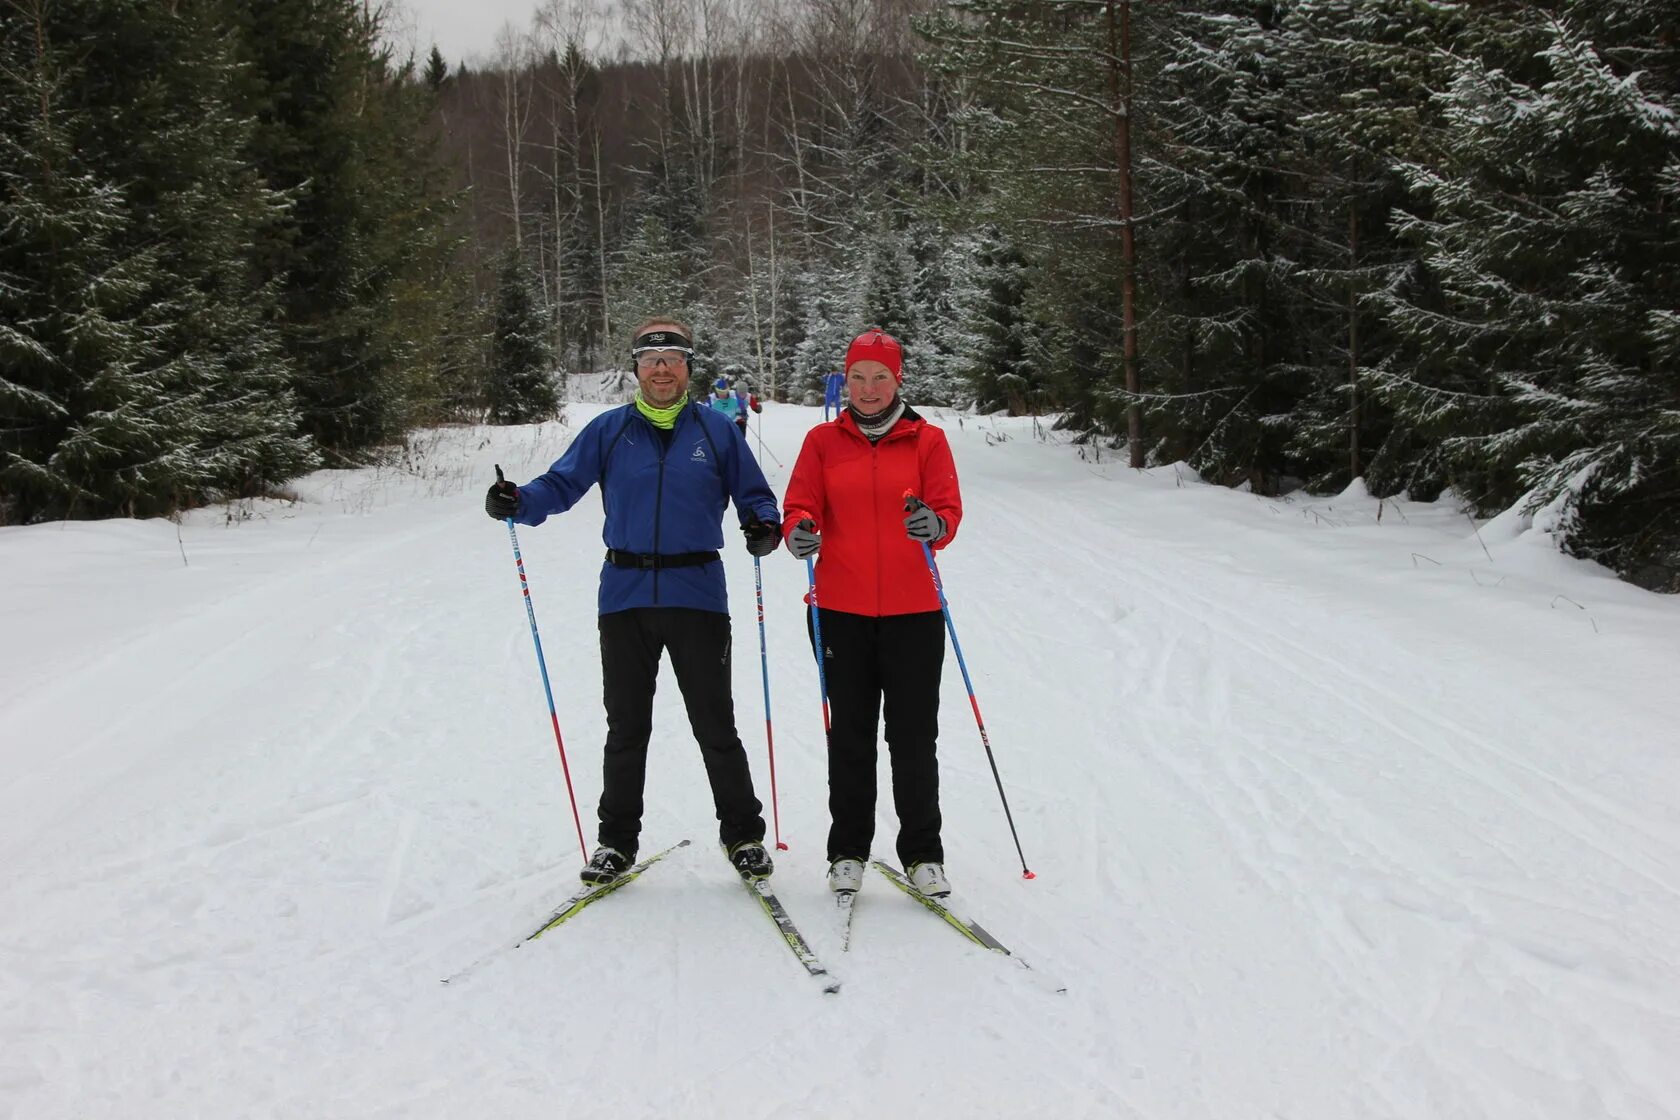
(464, 28)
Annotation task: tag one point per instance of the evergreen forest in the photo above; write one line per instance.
(1433, 245)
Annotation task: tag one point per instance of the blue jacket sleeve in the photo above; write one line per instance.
(567, 480)
(747, 486)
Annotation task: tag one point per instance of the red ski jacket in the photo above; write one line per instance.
(854, 492)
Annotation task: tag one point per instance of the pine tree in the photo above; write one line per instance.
(995, 355)
(1547, 240)
(522, 387)
(931, 374)
(437, 70)
(161, 359)
(833, 305)
(365, 259)
(650, 275)
(69, 301)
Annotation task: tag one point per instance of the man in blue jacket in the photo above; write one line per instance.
(667, 468)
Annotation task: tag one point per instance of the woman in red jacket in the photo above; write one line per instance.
(883, 634)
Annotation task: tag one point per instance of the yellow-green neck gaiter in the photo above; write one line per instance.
(665, 418)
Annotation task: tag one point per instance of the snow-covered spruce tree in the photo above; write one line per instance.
(202, 207)
(994, 352)
(833, 305)
(937, 261)
(1230, 313)
(163, 348)
(1046, 126)
(1549, 258)
(69, 300)
(521, 384)
(1361, 72)
(365, 257)
(649, 276)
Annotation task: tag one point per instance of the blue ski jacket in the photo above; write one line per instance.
(659, 499)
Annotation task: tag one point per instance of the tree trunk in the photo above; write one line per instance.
(601, 242)
(1120, 104)
(1353, 342)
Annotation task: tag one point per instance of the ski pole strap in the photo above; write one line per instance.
(650, 561)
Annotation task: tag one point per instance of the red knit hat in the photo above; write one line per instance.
(877, 345)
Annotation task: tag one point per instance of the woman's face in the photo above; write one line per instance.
(870, 386)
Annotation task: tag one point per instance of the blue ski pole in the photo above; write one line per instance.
(542, 665)
(816, 635)
(769, 730)
(911, 504)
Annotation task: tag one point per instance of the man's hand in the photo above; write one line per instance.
(804, 541)
(502, 502)
(762, 536)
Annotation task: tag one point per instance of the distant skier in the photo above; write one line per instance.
(882, 630)
(833, 386)
(667, 469)
(724, 400)
(745, 402)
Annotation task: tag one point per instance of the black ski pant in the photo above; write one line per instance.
(896, 659)
(699, 644)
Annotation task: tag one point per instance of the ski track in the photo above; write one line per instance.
(1319, 833)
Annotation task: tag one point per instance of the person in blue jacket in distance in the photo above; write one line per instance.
(834, 386)
(667, 467)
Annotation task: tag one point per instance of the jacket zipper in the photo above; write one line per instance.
(659, 501)
(874, 484)
(874, 487)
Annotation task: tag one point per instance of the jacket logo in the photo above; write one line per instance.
(699, 455)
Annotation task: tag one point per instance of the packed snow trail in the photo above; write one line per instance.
(1334, 816)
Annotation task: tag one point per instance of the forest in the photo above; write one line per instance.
(1429, 245)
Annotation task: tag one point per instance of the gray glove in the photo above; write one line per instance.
(924, 525)
(804, 541)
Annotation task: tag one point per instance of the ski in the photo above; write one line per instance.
(969, 929)
(590, 893)
(777, 913)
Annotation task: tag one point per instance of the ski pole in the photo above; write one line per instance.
(769, 730)
(816, 636)
(911, 504)
(762, 450)
(542, 665)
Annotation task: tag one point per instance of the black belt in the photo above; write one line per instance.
(651, 562)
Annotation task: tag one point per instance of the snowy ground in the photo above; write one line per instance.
(1334, 817)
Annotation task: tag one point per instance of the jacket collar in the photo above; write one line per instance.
(907, 425)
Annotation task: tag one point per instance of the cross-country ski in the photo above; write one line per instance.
(585, 896)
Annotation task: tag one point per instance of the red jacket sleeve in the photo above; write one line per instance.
(939, 482)
(805, 489)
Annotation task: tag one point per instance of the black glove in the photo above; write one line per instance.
(923, 524)
(804, 541)
(761, 536)
(502, 501)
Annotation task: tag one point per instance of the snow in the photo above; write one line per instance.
(1338, 809)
